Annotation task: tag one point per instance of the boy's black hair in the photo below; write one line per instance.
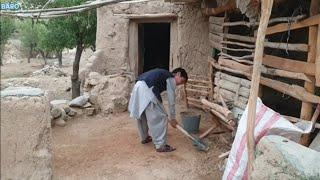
(182, 71)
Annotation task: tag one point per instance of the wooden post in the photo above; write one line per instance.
(318, 59)
(266, 7)
(306, 108)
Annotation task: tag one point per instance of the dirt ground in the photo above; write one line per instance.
(109, 148)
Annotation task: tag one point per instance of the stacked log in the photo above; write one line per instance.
(225, 116)
(232, 89)
(197, 87)
(215, 32)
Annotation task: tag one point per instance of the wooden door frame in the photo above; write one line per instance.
(134, 39)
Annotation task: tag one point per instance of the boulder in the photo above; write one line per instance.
(111, 94)
(315, 145)
(79, 101)
(279, 158)
(56, 112)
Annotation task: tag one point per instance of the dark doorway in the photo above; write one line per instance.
(154, 46)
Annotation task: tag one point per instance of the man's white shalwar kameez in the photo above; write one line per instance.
(150, 112)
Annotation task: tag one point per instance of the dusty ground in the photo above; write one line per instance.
(109, 148)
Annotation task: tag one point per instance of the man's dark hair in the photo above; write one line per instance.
(182, 71)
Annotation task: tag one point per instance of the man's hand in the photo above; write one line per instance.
(173, 123)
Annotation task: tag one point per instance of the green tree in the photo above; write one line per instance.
(6, 29)
(80, 31)
(30, 33)
(56, 38)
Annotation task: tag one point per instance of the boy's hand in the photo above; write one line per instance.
(173, 123)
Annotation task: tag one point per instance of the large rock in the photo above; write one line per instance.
(315, 145)
(280, 158)
(111, 94)
(26, 142)
(79, 101)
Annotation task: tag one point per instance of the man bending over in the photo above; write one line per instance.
(146, 105)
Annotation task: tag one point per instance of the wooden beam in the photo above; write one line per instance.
(311, 21)
(266, 7)
(318, 59)
(306, 109)
(224, 111)
(215, 38)
(216, 20)
(144, 16)
(287, 46)
(213, 28)
(197, 91)
(197, 86)
(198, 81)
(295, 91)
(271, 21)
(289, 64)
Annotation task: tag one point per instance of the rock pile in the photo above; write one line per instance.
(50, 70)
(61, 112)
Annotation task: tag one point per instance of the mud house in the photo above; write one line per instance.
(214, 40)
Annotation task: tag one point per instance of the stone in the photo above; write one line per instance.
(60, 122)
(87, 105)
(22, 91)
(79, 101)
(315, 145)
(67, 109)
(94, 78)
(64, 115)
(56, 112)
(72, 112)
(120, 104)
(26, 137)
(59, 102)
(111, 95)
(279, 158)
(89, 111)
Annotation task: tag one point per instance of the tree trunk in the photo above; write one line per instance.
(60, 58)
(43, 56)
(75, 76)
(30, 53)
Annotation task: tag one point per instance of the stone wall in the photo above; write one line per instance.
(26, 142)
(192, 47)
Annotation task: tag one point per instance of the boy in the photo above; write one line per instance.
(146, 105)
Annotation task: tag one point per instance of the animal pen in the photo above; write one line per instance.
(235, 51)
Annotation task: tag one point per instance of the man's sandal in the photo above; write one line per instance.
(147, 140)
(166, 148)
